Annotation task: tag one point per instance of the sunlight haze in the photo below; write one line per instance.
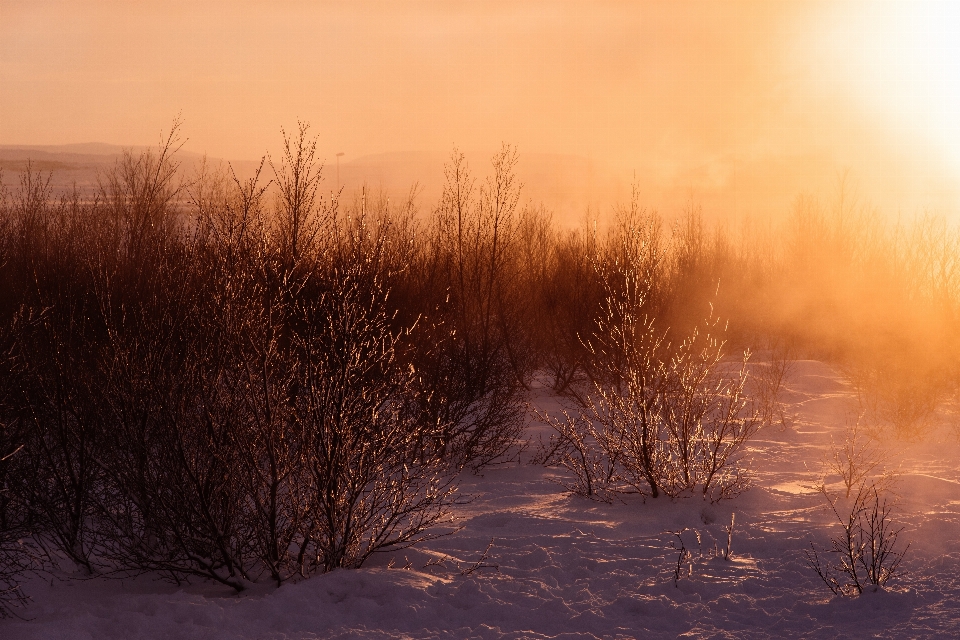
(739, 106)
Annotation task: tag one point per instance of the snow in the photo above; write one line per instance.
(567, 567)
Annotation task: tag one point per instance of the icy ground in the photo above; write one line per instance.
(572, 568)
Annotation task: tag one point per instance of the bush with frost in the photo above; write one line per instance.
(658, 417)
(472, 349)
(867, 553)
(857, 458)
(211, 387)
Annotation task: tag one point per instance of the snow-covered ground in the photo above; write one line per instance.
(569, 568)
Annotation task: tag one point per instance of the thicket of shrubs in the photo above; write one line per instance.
(204, 376)
(199, 381)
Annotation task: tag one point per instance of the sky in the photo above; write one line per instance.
(741, 104)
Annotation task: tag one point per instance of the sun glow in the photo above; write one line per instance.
(901, 60)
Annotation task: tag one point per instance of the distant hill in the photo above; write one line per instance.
(69, 165)
(565, 185)
(570, 187)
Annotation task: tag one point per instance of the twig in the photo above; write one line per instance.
(727, 552)
(480, 564)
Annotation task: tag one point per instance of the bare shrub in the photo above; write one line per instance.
(136, 200)
(299, 216)
(441, 560)
(769, 378)
(51, 388)
(262, 421)
(568, 295)
(866, 554)
(659, 418)
(575, 446)
(378, 479)
(254, 287)
(693, 264)
(62, 435)
(728, 549)
(857, 458)
(476, 361)
(684, 556)
(710, 419)
(282, 446)
(171, 501)
(14, 561)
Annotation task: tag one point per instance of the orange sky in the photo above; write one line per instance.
(741, 105)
